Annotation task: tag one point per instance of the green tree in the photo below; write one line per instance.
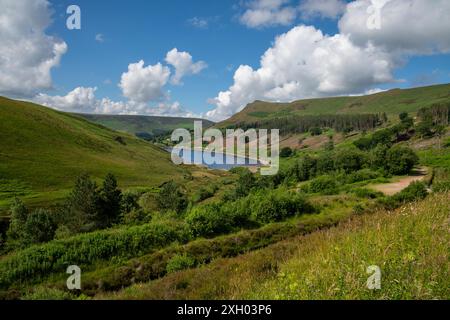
(400, 160)
(110, 202)
(286, 152)
(40, 227)
(19, 214)
(171, 197)
(82, 206)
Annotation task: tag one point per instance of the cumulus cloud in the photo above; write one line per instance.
(406, 26)
(83, 100)
(305, 63)
(322, 8)
(264, 13)
(183, 64)
(27, 53)
(143, 84)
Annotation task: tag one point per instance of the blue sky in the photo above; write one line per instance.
(210, 31)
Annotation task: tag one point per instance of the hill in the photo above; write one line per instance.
(392, 102)
(144, 126)
(410, 245)
(43, 150)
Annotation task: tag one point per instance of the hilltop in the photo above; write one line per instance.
(144, 126)
(43, 150)
(392, 102)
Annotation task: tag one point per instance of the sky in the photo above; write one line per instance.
(210, 58)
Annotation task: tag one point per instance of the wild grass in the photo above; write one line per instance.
(410, 245)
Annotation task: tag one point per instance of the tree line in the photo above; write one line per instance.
(302, 124)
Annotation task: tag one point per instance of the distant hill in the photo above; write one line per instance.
(392, 102)
(144, 126)
(42, 151)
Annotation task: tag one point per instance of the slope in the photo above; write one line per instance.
(43, 150)
(145, 126)
(392, 102)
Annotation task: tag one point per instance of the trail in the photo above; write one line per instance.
(392, 188)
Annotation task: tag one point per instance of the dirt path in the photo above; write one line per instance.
(397, 186)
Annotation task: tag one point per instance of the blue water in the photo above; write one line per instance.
(228, 161)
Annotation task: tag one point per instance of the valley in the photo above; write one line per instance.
(362, 181)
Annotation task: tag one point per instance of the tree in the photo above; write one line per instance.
(39, 227)
(286, 152)
(245, 183)
(82, 206)
(315, 131)
(19, 215)
(171, 197)
(110, 202)
(349, 160)
(400, 160)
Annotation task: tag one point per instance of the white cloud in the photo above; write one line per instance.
(143, 84)
(83, 100)
(322, 8)
(201, 23)
(99, 37)
(264, 13)
(183, 64)
(27, 53)
(305, 63)
(407, 26)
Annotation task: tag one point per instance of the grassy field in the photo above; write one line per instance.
(392, 102)
(43, 150)
(410, 245)
(144, 124)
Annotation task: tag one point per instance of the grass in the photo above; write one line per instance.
(392, 102)
(410, 245)
(43, 150)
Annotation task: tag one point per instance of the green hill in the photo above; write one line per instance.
(43, 150)
(144, 126)
(392, 102)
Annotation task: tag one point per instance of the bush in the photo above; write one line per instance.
(204, 193)
(400, 160)
(323, 185)
(366, 193)
(85, 249)
(415, 191)
(39, 227)
(316, 131)
(361, 175)
(443, 186)
(350, 160)
(216, 218)
(286, 152)
(278, 205)
(180, 262)
(171, 197)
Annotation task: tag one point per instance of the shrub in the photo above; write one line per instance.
(324, 185)
(206, 220)
(366, 193)
(278, 205)
(171, 197)
(315, 131)
(286, 152)
(39, 227)
(361, 175)
(110, 199)
(85, 249)
(350, 160)
(180, 262)
(400, 160)
(204, 193)
(415, 191)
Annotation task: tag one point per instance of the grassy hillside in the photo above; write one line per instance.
(43, 150)
(410, 245)
(144, 124)
(392, 102)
